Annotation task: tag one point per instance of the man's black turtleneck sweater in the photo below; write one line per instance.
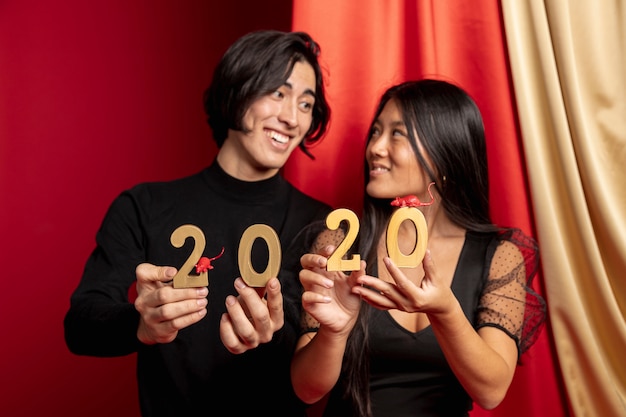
(195, 374)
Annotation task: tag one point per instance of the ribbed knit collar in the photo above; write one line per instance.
(233, 188)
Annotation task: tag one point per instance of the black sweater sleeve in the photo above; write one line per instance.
(102, 320)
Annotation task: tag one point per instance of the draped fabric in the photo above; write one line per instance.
(369, 45)
(568, 64)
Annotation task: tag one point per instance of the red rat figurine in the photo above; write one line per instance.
(204, 263)
(413, 201)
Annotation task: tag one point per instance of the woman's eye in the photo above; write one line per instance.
(277, 94)
(401, 133)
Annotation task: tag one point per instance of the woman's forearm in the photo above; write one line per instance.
(316, 364)
(484, 363)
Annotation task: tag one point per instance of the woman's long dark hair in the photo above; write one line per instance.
(448, 124)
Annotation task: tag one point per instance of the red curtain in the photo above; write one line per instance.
(369, 45)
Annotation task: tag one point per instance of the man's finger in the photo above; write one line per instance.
(228, 336)
(275, 300)
(149, 272)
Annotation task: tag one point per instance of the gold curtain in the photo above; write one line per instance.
(569, 73)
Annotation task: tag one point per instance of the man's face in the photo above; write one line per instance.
(277, 123)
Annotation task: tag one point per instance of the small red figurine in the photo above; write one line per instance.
(413, 201)
(204, 263)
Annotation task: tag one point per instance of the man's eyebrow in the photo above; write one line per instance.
(308, 91)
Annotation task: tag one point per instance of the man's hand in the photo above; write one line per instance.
(251, 319)
(164, 309)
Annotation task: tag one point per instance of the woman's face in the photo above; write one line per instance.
(277, 124)
(393, 167)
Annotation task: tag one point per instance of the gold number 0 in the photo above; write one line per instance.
(414, 258)
(249, 275)
(336, 261)
(184, 279)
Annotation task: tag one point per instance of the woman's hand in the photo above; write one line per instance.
(328, 296)
(431, 296)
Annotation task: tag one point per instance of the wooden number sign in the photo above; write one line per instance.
(249, 275)
(336, 261)
(184, 278)
(393, 249)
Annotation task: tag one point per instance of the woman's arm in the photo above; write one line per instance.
(484, 361)
(329, 303)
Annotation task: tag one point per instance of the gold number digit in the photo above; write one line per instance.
(248, 274)
(393, 248)
(184, 278)
(336, 261)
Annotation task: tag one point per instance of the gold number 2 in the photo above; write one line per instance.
(184, 279)
(336, 261)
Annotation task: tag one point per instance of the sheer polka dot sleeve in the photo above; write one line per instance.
(508, 302)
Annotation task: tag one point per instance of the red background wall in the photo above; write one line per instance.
(94, 97)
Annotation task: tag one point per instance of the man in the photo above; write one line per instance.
(226, 348)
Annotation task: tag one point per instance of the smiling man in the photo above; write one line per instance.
(222, 348)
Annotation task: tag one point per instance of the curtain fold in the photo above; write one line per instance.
(369, 45)
(568, 61)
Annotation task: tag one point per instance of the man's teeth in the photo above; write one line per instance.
(278, 137)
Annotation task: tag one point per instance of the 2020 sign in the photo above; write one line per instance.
(337, 261)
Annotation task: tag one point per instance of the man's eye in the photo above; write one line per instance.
(305, 105)
(277, 94)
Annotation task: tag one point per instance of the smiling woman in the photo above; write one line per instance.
(425, 337)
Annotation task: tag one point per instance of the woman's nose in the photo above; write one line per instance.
(377, 146)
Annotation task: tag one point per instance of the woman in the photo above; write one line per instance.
(448, 332)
